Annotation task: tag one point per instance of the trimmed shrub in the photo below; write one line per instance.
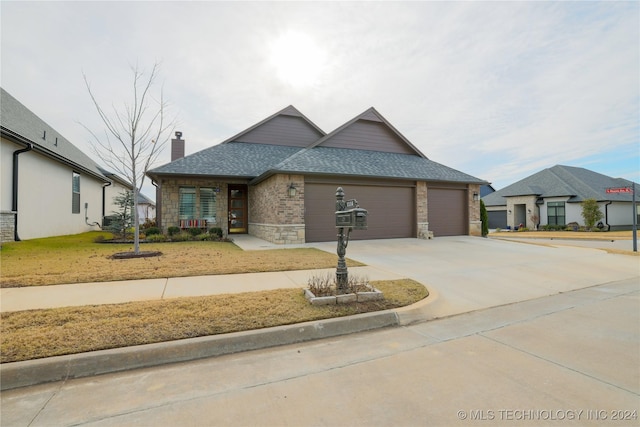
(484, 216)
(216, 231)
(173, 230)
(153, 238)
(181, 237)
(195, 231)
(151, 231)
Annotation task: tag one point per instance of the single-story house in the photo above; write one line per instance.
(48, 187)
(277, 180)
(553, 196)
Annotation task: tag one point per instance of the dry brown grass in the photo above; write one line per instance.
(589, 235)
(34, 334)
(77, 259)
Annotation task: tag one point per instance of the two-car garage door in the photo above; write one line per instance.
(391, 210)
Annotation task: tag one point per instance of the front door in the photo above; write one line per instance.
(237, 209)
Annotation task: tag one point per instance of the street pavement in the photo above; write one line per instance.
(525, 334)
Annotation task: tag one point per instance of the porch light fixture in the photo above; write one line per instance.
(292, 190)
(476, 197)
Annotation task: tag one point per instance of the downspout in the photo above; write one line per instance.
(606, 215)
(158, 205)
(14, 197)
(104, 198)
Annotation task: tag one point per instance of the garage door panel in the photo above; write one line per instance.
(447, 211)
(391, 211)
(497, 219)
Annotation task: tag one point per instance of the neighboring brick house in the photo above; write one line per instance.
(277, 181)
(553, 196)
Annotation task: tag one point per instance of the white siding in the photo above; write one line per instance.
(44, 198)
(6, 172)
(619, 213)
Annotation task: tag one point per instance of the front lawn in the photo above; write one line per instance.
(33, 334)
(78, 259)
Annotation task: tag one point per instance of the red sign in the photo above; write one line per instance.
(620, 190)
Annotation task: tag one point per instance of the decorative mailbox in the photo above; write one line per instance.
(355, 218)
(351, 215)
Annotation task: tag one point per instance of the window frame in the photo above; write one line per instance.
(184, 211)
(208, 212)
(75, 193)
(555, 206)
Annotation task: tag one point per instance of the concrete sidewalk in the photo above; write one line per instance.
(79, 294)
(39, 297)
(566, 359)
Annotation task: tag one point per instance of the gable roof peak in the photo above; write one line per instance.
(370, 114)
(289, 110)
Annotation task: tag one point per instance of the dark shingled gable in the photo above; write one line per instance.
(341, 161)
(19, 120)
(258, 161)
(235, 159)
(560, 181)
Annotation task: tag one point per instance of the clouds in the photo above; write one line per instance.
(497, 90)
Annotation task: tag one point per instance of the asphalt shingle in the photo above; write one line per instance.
(560, 181)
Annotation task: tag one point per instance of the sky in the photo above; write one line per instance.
(498, 90)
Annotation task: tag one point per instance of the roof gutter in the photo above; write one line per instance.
(14, 194)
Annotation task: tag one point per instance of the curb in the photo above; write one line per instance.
(62, 368)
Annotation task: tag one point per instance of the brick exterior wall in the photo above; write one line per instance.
(7, 226)
(170, 203)
(273, 215)
(422, 213)
(475, 223)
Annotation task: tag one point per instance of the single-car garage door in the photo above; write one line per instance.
(497, 219)
(447, 211)
(391, 211)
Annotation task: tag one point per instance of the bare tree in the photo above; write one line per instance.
(134, 135)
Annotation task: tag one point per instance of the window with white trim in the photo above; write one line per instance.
(75, 193)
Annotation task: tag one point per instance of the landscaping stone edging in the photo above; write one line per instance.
(345, 298)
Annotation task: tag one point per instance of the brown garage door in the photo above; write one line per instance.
(447, 210)
(391, 211)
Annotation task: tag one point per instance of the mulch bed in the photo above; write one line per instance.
(132, 255)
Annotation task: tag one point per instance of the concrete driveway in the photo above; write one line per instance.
(514, 364)
(471, 273)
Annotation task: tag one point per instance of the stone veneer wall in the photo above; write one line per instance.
(274, 216)
(530, 202)
(422, 213)
(475, 223)
(171, 200)
(7, 226)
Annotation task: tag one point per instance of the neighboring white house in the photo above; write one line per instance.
(553, 196)
(48, 187)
